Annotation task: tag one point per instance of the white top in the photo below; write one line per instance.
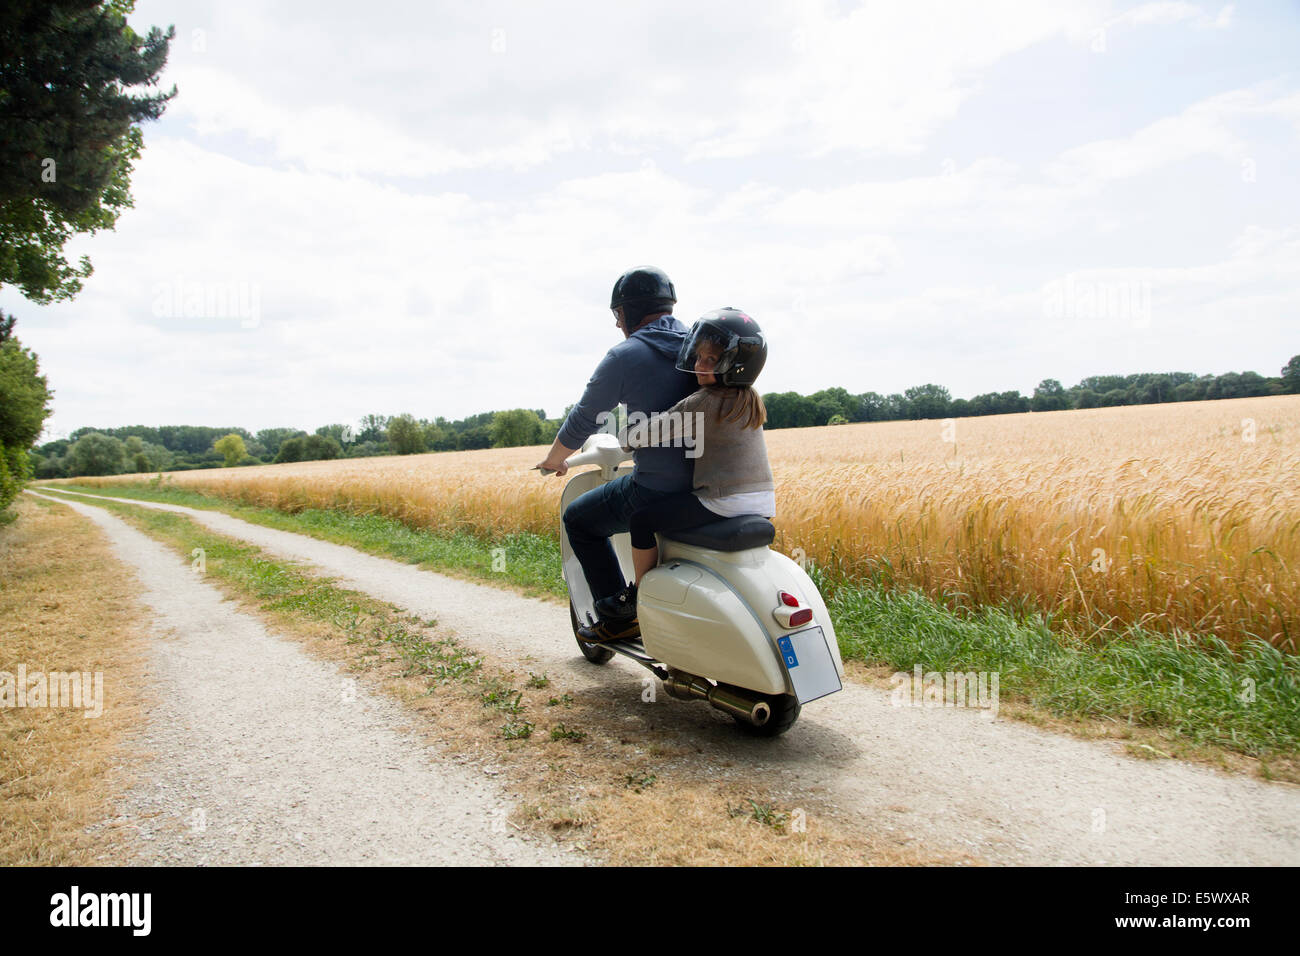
(744, 503)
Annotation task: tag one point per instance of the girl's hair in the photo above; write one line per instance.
(746, 406)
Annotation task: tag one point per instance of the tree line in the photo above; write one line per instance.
(142, 448)
(835, 406)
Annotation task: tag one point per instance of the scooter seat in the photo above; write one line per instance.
(727, 534)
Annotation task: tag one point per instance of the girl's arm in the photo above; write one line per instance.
(664, 428)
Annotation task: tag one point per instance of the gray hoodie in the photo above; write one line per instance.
(641, 372)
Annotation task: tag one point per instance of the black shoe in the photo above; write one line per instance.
(610, 629)
(617, 618)
(620, 605)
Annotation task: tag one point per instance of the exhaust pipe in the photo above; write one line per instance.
(731, 700)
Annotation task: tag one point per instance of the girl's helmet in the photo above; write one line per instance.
(744, 349)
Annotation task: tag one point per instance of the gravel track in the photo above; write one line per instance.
(945, 779)
(263, 755)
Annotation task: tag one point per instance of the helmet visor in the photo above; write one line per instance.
(708, 349)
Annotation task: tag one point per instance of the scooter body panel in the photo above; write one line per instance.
(692, 619)
(753, 580)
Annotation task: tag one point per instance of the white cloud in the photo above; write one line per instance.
(1204, 128)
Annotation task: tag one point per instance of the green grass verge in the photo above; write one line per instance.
(529, 561)
(295, 594)
(1196, 688)
(1200, 690)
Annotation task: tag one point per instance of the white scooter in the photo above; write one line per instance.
(723, 617)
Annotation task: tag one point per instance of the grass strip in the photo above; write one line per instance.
(1197, 690)
(528, 561)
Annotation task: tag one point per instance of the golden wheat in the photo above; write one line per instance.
(1181, 515)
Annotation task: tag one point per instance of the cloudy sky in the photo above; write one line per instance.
(421, 207)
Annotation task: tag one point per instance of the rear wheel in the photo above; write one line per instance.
(785, 711)
(592, 652)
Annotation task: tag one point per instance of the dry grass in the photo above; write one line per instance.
(1164, 515)
(65, 606)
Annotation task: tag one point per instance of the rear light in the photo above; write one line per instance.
(789, 614)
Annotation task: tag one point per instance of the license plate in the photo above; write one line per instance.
(809, 663)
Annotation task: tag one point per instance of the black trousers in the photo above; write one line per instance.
(592, 518)
(669, 513)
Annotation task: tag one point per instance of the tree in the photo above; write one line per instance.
(439, 435)
(373, 428)
(476, 436)
(895, 407)
(1291, 375)
(1086, 398)
(1049, 396)
(231, 447)
(405, 435)
(272, 438)
(291, 449)
(24, 396)
(321, 448)
(343, 434)
(1227, 385)
(24, 406)
(928, 401)
(135, 457)
(833, 401)
(68, 137)
(96, 454)
(871, 407)
(519, 426)
(789, 410)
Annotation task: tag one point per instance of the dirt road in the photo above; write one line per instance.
(262, 755)
(1002, 792)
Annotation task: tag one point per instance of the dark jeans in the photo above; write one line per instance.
(669, 513)
(593, 518)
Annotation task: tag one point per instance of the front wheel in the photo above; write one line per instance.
(785, 711)
(592, 652)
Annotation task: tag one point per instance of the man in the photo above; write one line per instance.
(640, 372)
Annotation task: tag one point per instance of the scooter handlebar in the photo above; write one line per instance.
(601, 449)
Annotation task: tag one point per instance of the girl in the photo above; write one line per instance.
(726, 350)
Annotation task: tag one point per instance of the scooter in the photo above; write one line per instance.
(723, 617)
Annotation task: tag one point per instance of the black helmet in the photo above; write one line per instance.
(744, 349)
(642, 291)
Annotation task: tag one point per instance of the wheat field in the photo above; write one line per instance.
(1170, 516)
